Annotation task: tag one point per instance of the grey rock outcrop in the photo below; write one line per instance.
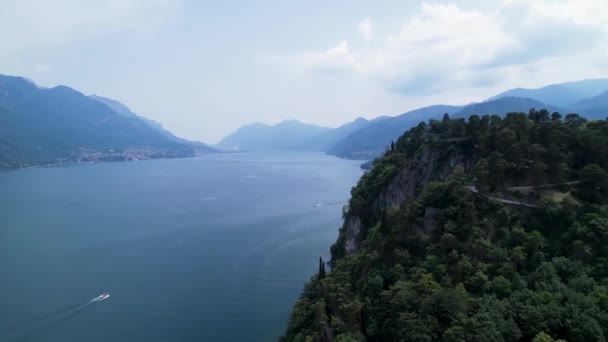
(430, 164)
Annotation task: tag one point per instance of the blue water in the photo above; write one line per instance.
(206, 249)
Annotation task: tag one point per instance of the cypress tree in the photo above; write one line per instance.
(321, 268)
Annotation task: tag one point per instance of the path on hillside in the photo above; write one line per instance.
(544, 186)
(474, 190)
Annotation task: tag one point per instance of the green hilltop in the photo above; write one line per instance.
(491, 229)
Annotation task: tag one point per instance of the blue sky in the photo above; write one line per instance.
(204, 68)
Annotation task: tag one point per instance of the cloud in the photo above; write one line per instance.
(366, 29)
(444, 46)
(333, 60)
(30, 24)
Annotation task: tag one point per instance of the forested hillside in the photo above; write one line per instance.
(491, 229)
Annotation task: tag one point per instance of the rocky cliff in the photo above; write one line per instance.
(430, 163)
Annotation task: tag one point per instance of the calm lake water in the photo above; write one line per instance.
(206, 249)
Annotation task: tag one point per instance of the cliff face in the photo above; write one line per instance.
(429, 164)
(352, 228)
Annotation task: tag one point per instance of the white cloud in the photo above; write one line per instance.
(332, 60)
(444, 46)
(366, 28)
(27, 24)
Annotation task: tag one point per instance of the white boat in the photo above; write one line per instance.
(102, 297)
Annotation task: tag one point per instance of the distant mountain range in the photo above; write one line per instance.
(61, 125)
(283, 136)
(372, 140)
(121, 109)
(560, 95)
(594, 107)
(325, 140)
(504, 105)
(367, 139)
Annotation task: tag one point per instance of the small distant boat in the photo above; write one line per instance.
(318, 205)
(102, 297)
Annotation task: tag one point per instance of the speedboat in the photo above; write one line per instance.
(102, 297)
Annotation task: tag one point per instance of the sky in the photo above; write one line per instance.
(205, 68)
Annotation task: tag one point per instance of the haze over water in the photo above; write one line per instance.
(205, 249)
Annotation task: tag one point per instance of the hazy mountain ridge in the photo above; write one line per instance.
(562, 94)
(368, 139)
(324, 141)
(372, 140)
(284, 136)
(594, 108)
(122, 109)
(503, 106)
(61, 125)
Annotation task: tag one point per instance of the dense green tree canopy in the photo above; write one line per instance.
(511, 246)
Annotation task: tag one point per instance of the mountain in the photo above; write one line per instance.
(371, 141)
(463, 234)
(325, 140)
(122, 109)
(283, 136)
(588, 88)
(504, 105)
(562, 94)
(61, 125)
(592, 108)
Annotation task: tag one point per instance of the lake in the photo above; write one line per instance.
(215, 248)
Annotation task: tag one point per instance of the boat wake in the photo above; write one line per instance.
(31, 328)
(327, 204)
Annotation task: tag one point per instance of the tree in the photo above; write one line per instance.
(555, 160)
(458, 128)
(473, 129)
(543, 116)
(446, 118)
(532, 114)
(496, 166)
(482, 173)
(593, 176)
(321, 268)
(459, 175)
(508, 145)
(593, 180)
(538, 172)
(556, 116)
(574, 120)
